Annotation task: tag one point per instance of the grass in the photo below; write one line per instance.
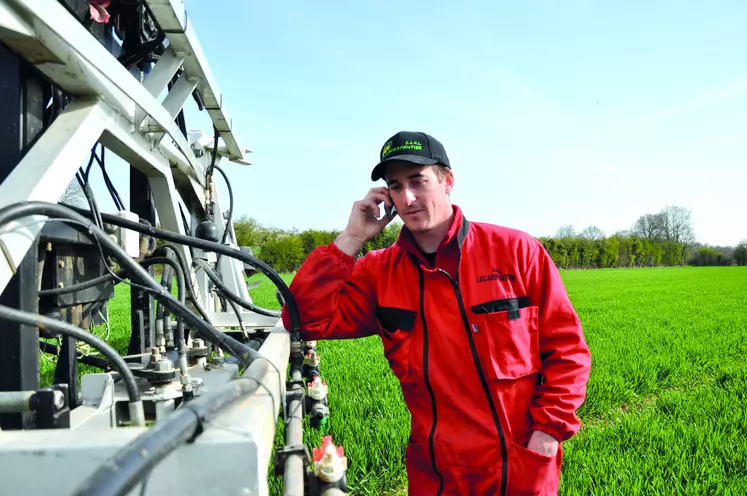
(665, 410)
(664, 413)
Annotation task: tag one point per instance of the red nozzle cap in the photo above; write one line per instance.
(318, 453)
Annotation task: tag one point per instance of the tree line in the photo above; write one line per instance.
(286, 250)
(665, 238)
(654, 240)
(661, 239)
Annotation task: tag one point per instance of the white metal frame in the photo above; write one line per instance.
(232, 456)
(113, 107)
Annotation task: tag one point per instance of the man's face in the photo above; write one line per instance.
(419, 196)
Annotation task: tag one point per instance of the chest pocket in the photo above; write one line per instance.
(396, 327)
(506, 333)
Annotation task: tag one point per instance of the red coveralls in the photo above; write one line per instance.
(487, 347)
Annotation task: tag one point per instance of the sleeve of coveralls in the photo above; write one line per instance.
(566, 361)
(334, 296)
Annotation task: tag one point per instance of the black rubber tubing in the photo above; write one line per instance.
(202, 244)
(188, 283)
(230, 208)
(16, 211)
(230, 294)
(181, 347)
(44, 323)
(81, 286)
(122, 472)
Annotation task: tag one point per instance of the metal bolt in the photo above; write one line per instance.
(196, 384)
(155, 355)
(59, 400)
(198, 343)
(61, 264)
(59, 284)
(164, 365)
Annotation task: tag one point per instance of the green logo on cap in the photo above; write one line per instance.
(387, 149)
(408, 145)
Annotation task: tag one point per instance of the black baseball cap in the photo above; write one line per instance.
(414, 147)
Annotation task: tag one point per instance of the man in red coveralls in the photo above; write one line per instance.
(476, 325)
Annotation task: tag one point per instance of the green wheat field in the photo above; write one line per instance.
(665, 410)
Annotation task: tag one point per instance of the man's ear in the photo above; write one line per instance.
(449, 180)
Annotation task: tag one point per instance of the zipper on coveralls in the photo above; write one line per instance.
(432, 434)
(483, 381)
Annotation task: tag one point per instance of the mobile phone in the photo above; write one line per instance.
(390, 210)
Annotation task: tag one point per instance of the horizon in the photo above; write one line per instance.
(551, 115)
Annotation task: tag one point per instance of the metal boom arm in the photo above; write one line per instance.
(71, 87)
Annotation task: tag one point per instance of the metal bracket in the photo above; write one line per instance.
(295, 395)
(282, 454)
(52, 407)
(155, 377)
(290, 386)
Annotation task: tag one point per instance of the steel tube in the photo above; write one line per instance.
(16, 401)
(123, 471)
(293, 477)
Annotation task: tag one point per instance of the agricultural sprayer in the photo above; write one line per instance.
(192, 406)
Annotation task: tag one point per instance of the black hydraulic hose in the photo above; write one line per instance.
(209, 171)
(162, 313)
(227, 224)
(84, 285)
(90, 162)
(46, 323)
(186, 229)
(230, 294)
(15, 211)
(122, 472)
(237, 311)
(123, 273)
(205, 245)
(188, 283)
(86, 188)
(230, 204)
(167, 279)
(112, 190)
(181, 347)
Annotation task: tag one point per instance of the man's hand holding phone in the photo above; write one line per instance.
(366, 221)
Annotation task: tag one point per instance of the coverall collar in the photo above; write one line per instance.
(450, 247)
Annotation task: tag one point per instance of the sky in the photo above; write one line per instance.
(552, 113)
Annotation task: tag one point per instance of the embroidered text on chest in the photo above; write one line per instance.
(496, 275)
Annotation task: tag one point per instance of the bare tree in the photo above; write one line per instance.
(593, 233)
(74, 195)
(650, 226)
(566, 232)
(678, 225)
(640, 227)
